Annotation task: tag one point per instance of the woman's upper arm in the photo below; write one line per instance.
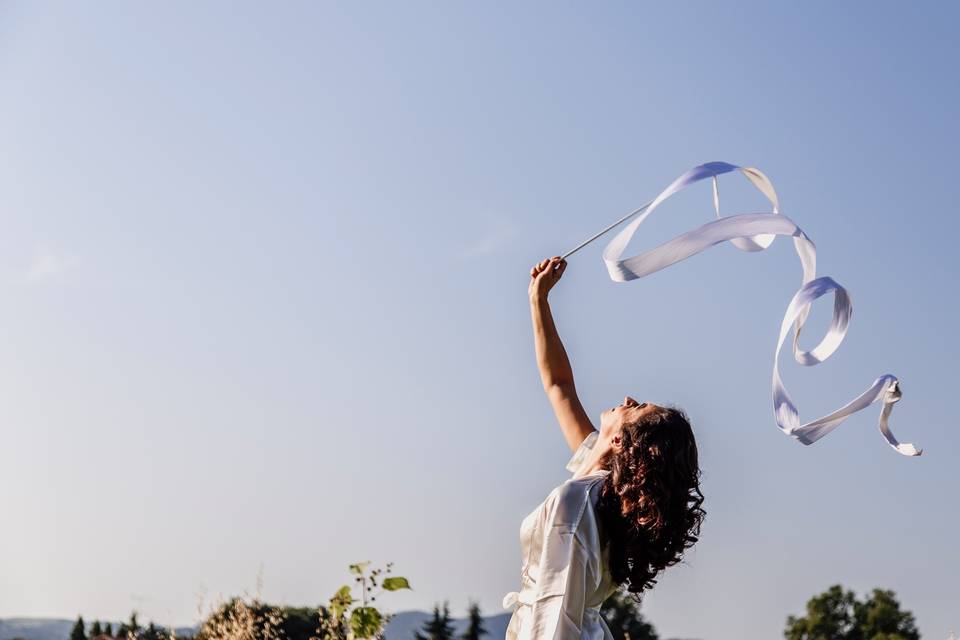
(574, 422)
(569, 569)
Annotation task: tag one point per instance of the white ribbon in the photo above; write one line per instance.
(756, 232)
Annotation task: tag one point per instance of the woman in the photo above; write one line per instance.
(631, 508)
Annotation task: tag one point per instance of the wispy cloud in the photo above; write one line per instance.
(497, 235)
(47, 265)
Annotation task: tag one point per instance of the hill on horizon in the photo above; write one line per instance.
(401, 626)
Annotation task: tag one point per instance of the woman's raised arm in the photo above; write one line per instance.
(555, 371)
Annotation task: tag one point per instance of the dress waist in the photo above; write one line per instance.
(527, 596)
(522, 597)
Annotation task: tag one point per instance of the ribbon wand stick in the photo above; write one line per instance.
(586, 242)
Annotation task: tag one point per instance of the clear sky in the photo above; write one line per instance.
(264, 304)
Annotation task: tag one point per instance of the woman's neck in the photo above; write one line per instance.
(596, 460)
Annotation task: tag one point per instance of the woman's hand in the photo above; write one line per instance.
(544, 275)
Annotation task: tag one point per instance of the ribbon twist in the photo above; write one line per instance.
(756, 232)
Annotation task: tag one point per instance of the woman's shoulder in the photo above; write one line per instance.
(572, 497)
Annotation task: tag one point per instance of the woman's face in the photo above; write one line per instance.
(630, 411)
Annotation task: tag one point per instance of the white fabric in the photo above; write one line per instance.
(755, 232)
(564, 575)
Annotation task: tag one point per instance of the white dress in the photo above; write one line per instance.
(564, 576)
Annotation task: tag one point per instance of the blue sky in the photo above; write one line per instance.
(265, 274)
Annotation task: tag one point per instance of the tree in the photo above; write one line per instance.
(438, 628)
(299, 623)
(241, 619)
(622, 614)
(129, 628)
(95, 629)
(836, 614)
(108, 629)
(880, 618)
(79, 630)
(475, 627)
(153, 632)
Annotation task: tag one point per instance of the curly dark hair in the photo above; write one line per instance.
(650, 504)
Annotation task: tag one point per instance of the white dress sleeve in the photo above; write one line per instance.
(568, 569)
(581, 453)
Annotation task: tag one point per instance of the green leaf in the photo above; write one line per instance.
(396, 582)
(365, 621)
(359, 567)
(340, 601)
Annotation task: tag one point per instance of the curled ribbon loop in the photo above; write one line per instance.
(756, 232)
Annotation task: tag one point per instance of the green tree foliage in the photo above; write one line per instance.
(829, 616)
(108, 629)
(475, 627)
(130, 628)
(437, 628)
(95, 629)
(837, 614)
(622, 614)
(299, 623)
(238, 619)
(344, 618)
(79, 631)
(881, 618)
(153, 632)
